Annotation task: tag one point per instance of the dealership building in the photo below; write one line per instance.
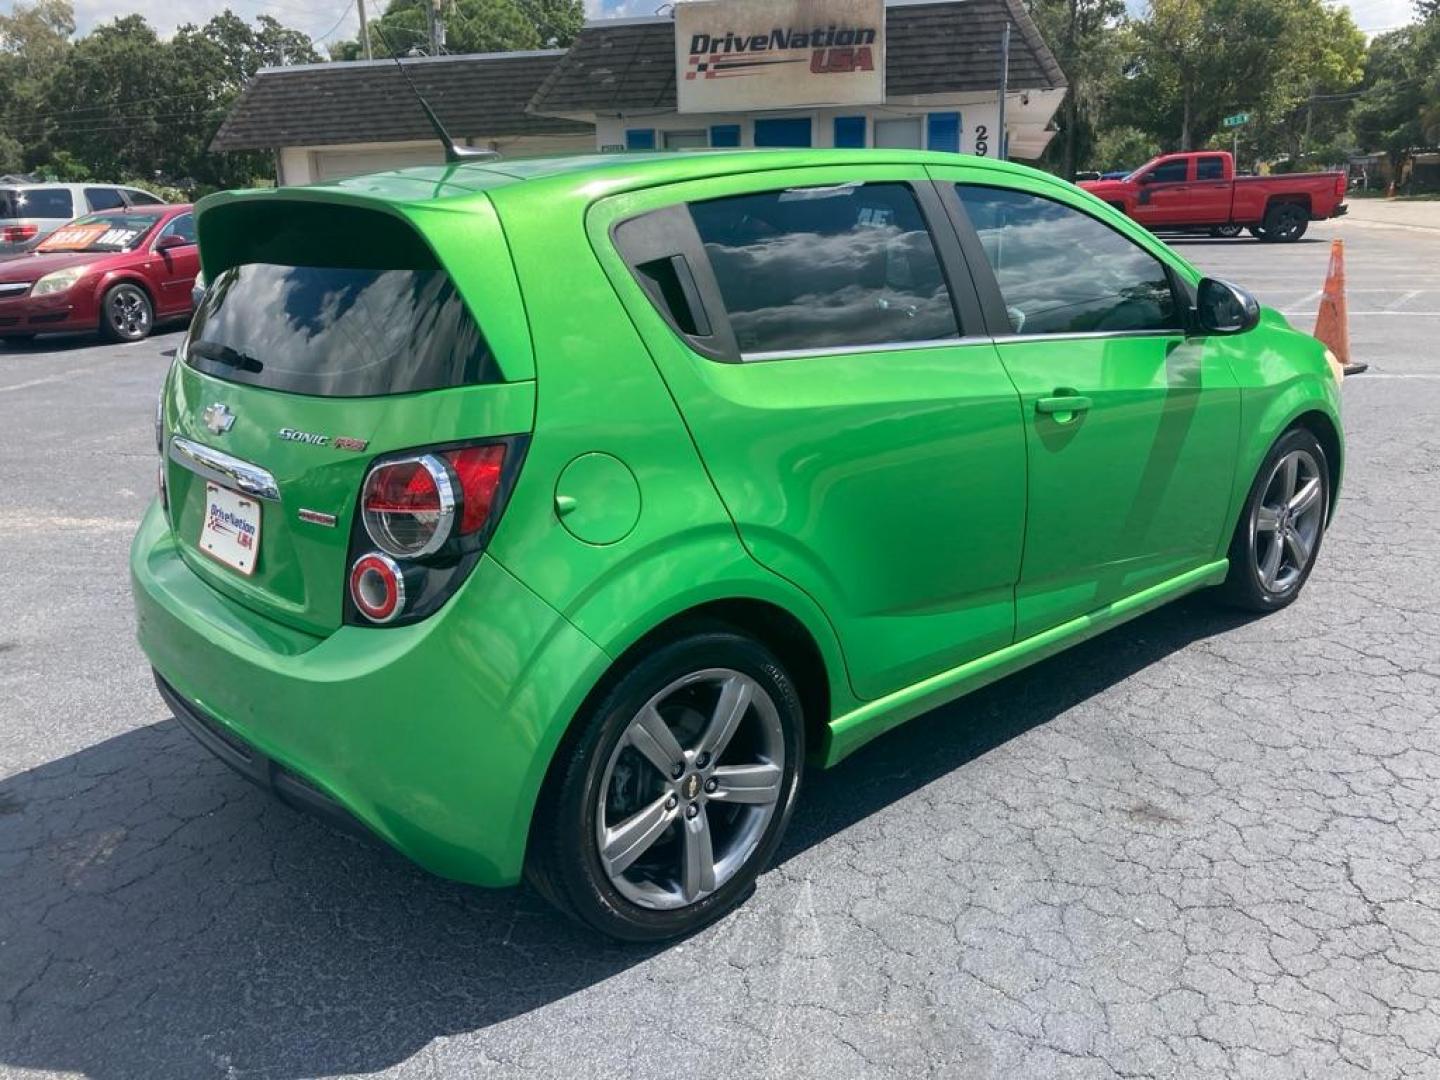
(714, 73)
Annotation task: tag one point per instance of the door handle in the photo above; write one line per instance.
(1062, 404)
(1063, 408)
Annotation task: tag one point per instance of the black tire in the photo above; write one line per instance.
(126, 313)
(1225, 232)
(1257, 231)
(565, 862)
(1247, 585)
(1285, 223)
(18, 339)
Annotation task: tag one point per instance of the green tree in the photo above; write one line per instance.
(1122, 148)
(34, 39)
(120, 103)
(1197, 60)
(470, 26)
(1399, 110)
(557, 22)
(1085, 37)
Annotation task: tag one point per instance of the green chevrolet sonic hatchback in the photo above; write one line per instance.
(550, 517)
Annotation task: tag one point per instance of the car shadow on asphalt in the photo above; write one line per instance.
(162, 918)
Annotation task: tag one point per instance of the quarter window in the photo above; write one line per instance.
(1062, 272)
(824, 268)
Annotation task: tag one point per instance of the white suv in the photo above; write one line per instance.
(31, 212)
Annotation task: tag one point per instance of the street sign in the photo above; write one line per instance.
(1236, 120)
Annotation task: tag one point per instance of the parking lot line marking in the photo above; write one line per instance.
(60, 377)
(1405, 299)
(1397, 375)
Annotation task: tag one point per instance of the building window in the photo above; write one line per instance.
(898, 133)
(850, 132)
(944, 131)
(783, 131)
(826, 268)
(639, 138)
(725, 135)
(685, 140)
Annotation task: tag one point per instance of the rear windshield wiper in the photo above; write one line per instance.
(224, 354)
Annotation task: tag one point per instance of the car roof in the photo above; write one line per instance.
(606, 172)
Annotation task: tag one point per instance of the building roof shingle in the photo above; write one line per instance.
(475, 96)
(628, 66)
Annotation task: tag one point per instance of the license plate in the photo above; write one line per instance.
(231, 532)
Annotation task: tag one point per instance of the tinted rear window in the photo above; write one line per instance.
(337, 332)
(36, 203)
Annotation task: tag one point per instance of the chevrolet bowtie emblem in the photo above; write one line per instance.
(218, 418)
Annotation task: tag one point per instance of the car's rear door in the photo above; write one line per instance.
(1131, 426)
(1209, 202)
(845, 400)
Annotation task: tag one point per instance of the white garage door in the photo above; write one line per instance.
(337, 164)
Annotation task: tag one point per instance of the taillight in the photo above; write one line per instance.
(478, 468)
(377, 586)
(415, 506)
(1340, 187)
(18, 234)
(409, 506)
(430, 513)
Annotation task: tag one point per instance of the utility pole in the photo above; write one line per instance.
(1004, 89)
(437, 29)
(364, 29)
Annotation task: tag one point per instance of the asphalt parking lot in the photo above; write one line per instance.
(1198, 846)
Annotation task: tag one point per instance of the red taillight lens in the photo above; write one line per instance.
(409, 506)
(377, 586)
(412, 508)
(1340, 186)
(18, 234)
(478, 469)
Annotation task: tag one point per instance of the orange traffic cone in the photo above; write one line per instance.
(1332, 324)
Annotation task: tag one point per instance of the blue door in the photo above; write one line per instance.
(783, 131)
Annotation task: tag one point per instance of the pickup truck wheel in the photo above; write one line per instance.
(1286, 223)
(1256, 231)
(1225, 231)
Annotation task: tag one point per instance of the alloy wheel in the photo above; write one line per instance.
(690, 788)
(129, 312)
(1287, 521)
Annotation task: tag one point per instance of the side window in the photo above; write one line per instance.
(1062, 272)
(1210, 168)
(142, 198)
(826, 267)
(104, 198)
(182, 226)
(1172, 172)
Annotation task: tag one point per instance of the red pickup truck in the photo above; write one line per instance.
(1200, 192)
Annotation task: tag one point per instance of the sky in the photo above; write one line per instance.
(335, 20)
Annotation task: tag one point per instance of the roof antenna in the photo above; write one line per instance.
(453, 152)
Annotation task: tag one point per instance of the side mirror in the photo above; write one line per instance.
(1222, 308)
(166, 243)
(1148, 178)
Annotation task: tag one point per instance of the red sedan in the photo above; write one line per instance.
(119, 272)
